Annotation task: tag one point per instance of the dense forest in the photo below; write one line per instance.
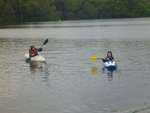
(18, 11)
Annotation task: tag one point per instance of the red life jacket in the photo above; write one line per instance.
(33, 52)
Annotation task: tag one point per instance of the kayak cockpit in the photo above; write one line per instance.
(38, 58)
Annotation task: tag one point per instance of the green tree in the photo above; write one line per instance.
(18, 11)
(7, 13)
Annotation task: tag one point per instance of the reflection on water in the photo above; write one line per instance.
(41, 68)
(108, 73)
(64, 84)
(110, 76)
(66, 80)
(94, 71)
(37, 66)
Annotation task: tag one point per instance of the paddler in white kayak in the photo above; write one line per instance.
(33, 51)
(33, 55)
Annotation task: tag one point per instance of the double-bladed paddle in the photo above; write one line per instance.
(44, 43)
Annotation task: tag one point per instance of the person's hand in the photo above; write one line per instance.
(102, 58)
(40, 49)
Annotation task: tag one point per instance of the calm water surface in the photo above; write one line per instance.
(70, 82)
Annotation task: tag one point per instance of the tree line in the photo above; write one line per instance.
(19, 11)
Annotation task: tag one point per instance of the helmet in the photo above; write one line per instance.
(32, 46)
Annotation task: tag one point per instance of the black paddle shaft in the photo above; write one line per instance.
(44, 43)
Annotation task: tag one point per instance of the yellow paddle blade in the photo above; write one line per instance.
(93, 58)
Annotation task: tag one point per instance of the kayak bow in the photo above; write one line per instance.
(110, 65)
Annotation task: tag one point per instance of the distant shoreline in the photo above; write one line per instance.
(56, 21)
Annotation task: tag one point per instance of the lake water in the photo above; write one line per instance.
(70, 82)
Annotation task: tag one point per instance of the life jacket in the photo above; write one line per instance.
(33, 52)
(109, 59)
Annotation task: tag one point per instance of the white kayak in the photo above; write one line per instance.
(38, 58)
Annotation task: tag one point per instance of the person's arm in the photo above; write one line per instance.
(103, 59)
